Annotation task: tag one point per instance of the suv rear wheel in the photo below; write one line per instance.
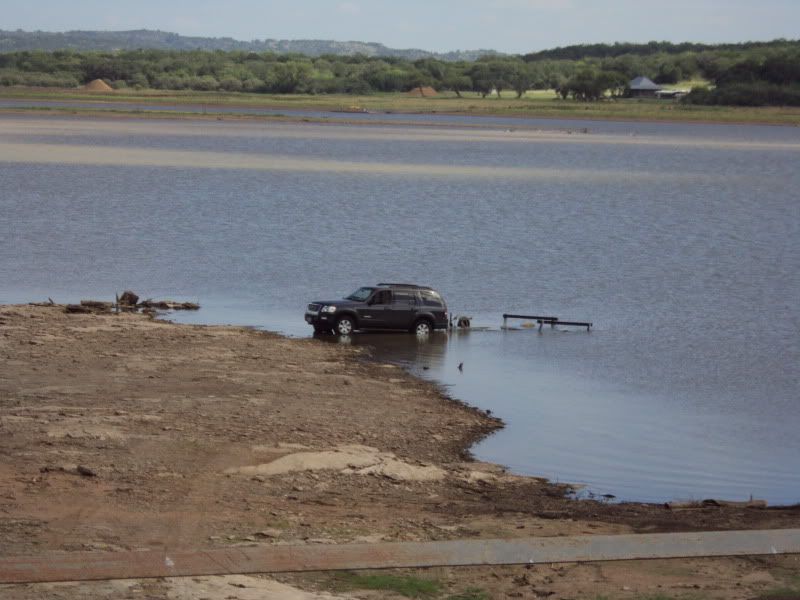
(345, 325)
(423, 327)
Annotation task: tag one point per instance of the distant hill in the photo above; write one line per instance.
(14, 41)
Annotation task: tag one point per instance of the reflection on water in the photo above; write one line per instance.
(83, 155)
(417, 353)
(686, 257)
(640, 446)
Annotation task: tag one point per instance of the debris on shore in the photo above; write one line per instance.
(128, 301)
(128, 298)
(168, 305)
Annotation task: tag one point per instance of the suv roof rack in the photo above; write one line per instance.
(405, 285)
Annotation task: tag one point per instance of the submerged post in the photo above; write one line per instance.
(541, 320)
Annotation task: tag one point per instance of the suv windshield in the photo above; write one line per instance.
(361, 294)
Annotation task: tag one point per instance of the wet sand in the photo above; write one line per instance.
(200, 437)
(28, 127)
(73, 154)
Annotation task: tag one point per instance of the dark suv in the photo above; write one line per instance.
(415, 308)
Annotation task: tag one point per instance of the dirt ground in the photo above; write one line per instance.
(122, 432)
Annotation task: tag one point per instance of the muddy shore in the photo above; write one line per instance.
(122, 432)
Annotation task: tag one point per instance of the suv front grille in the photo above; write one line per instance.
(314, 307)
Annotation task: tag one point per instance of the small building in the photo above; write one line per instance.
(642, 87)
(671, 94)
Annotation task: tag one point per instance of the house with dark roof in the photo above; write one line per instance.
(642, 87)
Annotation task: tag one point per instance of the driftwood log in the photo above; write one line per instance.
(168, 305)
(97, 304)
(78, 309)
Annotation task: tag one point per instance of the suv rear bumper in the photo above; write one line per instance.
(437, 324)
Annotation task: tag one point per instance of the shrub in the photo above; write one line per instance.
(747, 94)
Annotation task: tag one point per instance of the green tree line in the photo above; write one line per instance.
(755, 80)
(583, 51)
(756, 74)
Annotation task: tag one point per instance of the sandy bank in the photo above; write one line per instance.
(142, 127)
(122, 432)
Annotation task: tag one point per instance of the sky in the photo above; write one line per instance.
(515, 26)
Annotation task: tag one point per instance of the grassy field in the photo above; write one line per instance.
(534, 104)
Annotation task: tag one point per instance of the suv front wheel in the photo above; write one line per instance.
(345, 325)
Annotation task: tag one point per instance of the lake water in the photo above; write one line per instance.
(680, 242)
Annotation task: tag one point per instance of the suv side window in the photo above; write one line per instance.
(382, 297)
(431, 299)
(404, 299)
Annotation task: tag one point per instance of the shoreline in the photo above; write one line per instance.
(279, 118)
(177, 115)
(497, 424)
(210, 436)
(786, 117)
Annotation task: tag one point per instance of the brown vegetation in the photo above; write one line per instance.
(423, 92)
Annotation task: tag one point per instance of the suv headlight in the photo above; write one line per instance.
(329, 309)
